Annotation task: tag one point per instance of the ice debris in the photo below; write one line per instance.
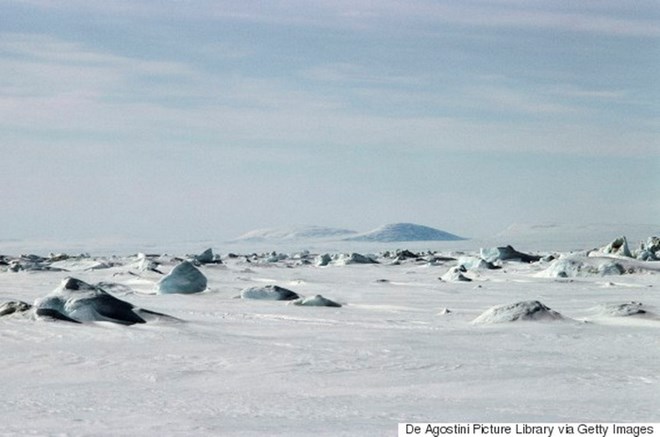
(506, 253)
(355, 258)
(455, 274)
(476, 263)
(207, 257)
(14, 306)
(618, 247)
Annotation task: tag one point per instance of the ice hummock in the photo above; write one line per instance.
(77, 301)
(506, 253)
(268, 292)
(528, 310)
(625, 309)
(184, 278)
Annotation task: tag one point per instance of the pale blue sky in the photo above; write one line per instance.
(206, 119)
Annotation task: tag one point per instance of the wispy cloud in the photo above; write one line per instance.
(90, 95)
(347, 73)
(639, 18)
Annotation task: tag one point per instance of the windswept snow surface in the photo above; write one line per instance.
(401, 348)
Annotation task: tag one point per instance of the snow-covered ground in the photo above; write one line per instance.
(402, 348)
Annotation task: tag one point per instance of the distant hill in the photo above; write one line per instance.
(404, 232)
(295, 234)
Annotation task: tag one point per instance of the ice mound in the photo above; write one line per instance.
(455, 274)
(29, 263)
(269, 292)
(57, 263)
(354, 258)
(506, 253)
(207, 257)
(405, 232)
(316, 301)
(476, 263)
(404, 254)
(275, 257)
(14, 306)
(529, 310)
(572, 267)
(145, 263)
(77, 301)
(649, 251)
(185, 278)
(618, 247)
(621, 309)
(323, 260)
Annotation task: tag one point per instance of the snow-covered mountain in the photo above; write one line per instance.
(295, 234)
(404, 232)
(387, 233)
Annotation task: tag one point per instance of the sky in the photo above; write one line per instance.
(207, 119)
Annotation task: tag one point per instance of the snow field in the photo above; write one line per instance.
(244, 367)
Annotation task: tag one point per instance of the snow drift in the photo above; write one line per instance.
(529, 310)
(316, 301)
